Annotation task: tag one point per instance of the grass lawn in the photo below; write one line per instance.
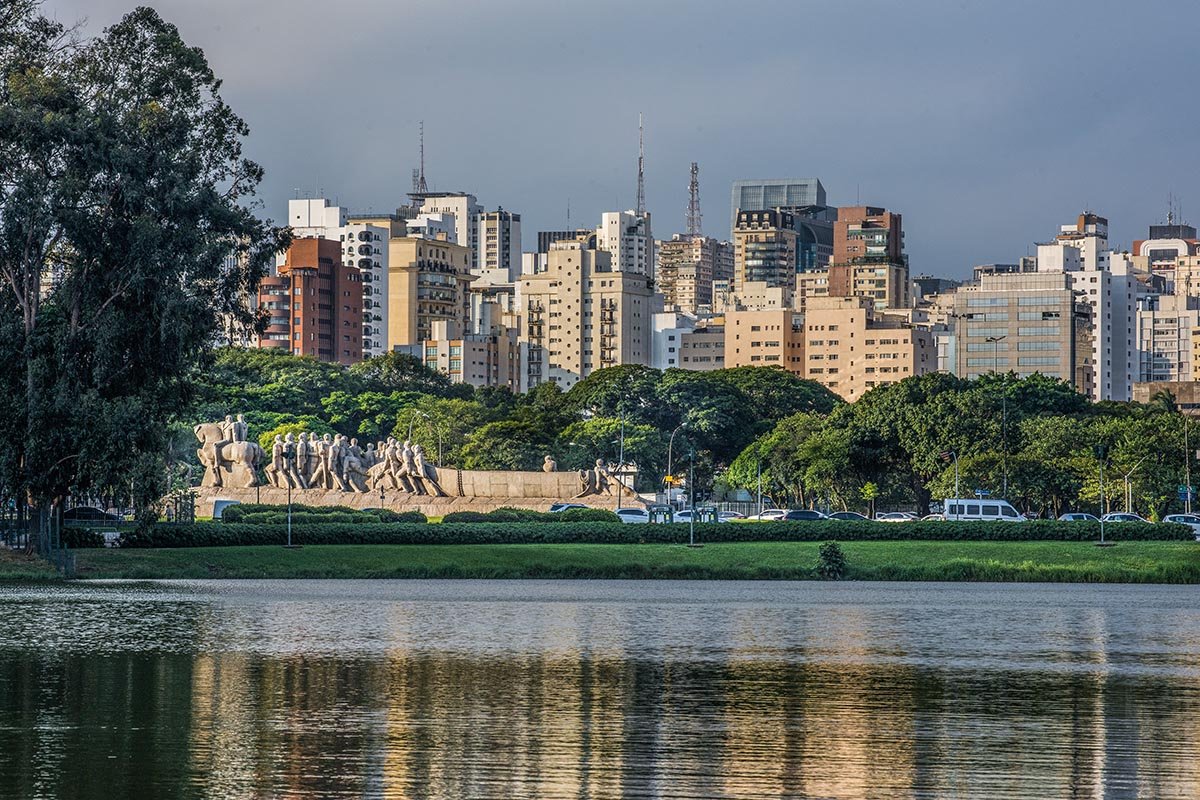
(1128, 562)
(20, 567)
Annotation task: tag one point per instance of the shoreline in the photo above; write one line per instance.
(1039, 562)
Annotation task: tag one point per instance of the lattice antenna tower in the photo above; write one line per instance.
(641, 180)
(693, 209)
(418, 178)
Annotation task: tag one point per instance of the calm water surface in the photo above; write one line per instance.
(601, 689)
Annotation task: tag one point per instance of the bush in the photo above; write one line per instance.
(304, 515)
(202, 534)
(831, 562)
(528, 515)
(75, 538)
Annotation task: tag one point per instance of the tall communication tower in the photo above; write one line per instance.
(641, 183)
(418, 176)
(693, 209)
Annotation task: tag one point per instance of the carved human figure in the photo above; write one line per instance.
(409, 477)
(336, 466)
(215, 448)
(238, 429)
(302, 463)
(549, 465)
(322, 478)
(289, 463)
(355, 472)
(275, 471)
(227, 462)
(595, 481)
(426, 473)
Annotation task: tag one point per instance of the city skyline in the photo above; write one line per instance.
(934, 115)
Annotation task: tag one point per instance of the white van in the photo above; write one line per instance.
(974, 509)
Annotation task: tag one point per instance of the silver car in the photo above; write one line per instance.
(1191, 520)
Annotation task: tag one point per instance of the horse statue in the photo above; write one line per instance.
(229, 460)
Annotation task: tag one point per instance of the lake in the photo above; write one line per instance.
(598, 689)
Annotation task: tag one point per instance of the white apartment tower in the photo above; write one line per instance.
(364, 246)
(499, 243)
(626, 236)
(466, 211)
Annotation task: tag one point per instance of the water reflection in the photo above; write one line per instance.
(598, 690)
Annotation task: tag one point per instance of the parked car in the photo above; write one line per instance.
(1077, 516)
(802, 515)
(848, 516)
(771, 515)
(88, 514)
(974, 509)
(1123, 516)
(933, 517)
(633, 515)
(557, 507)
(725, 516)
(895, 516)
(1191, 520)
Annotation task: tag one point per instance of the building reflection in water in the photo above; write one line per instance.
(599, 700)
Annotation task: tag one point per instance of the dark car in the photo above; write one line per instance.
(802, 514)
(88, 514)
(848, 516)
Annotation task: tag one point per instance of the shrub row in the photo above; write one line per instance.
(528, 515)
(204, 534)
(301, 514)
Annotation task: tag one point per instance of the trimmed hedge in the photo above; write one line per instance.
(207, 534)
(527, 515)
(77, 538)
(302, 514)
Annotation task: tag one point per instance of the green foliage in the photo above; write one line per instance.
(123, 170)
(209, 534)
(831, 562)
(527, 515)
(304, 514)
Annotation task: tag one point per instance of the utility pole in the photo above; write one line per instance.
(1187, 466)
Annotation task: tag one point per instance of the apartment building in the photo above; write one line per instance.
(850, 347)
(487, 359)
(703, 348)
(773, 338)
(765, 247)
(626, 236)
(581, 314)
(428, 281)
(314, 304)
(868, 257)
(687, 267)
(1164, 332)
(1024, 323)
(761, 195)
(500, 243)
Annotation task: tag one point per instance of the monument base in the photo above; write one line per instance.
(396, 501)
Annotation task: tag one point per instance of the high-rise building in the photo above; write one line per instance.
(314, 217)
(314, 304)
(466, 211)
(868, 257)
(1165, 244)
(582, 314)
(1165, 324)
(1025, 323)
(765, 338)
(428, 281)
(850, 347)
(765, 247)
(500, 242)
(547, 238)
(627, 238)
(685, 341)
(761, 195)
(687, 267)
(1110, 284)
(365, 246)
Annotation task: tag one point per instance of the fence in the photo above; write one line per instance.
(41, 534)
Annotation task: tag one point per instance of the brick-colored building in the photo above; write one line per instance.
(314, 304)
(868, 257)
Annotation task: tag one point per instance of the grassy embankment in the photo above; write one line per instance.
(1129, 562)
(16, 566)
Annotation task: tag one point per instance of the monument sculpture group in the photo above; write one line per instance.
(333, 469)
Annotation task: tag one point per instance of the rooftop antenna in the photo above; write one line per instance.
(641, 180)
(693, 208)
(568, 213)
(419, 185)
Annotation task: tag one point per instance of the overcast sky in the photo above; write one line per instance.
(986, 124)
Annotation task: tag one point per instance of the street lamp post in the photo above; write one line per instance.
(948, 456)
(995, 350)
(1129, 485)
(692, 498)
(670, 473)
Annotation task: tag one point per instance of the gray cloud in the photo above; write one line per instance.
(987, 124)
